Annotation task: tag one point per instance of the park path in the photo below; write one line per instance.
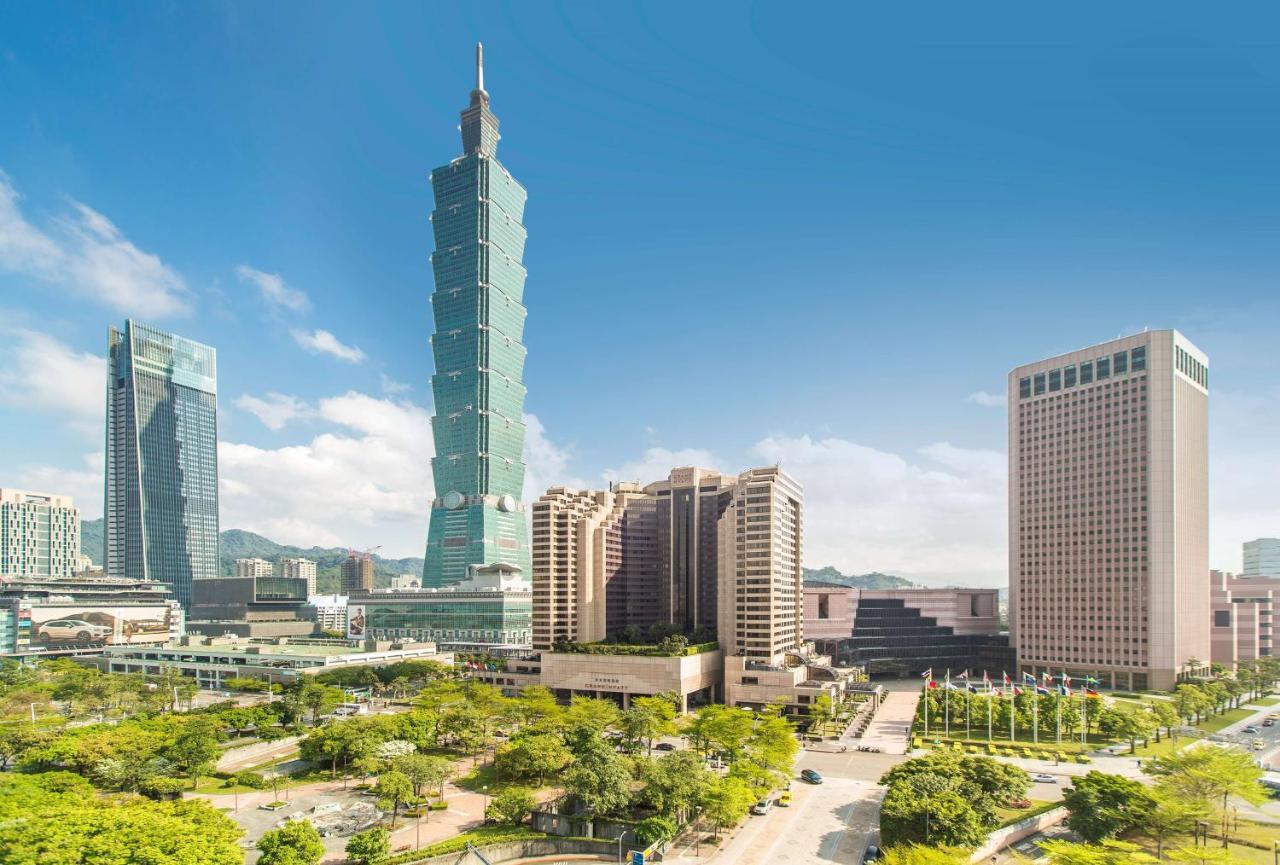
(890, 729)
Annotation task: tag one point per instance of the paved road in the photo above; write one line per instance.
(831, 822)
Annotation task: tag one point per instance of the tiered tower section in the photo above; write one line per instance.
(477, 518)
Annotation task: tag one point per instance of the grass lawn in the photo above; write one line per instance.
(1009, 816)
(1226, 719)
(481, 776)
(1165, 746)
(1265, 701)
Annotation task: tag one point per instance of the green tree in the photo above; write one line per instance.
(532, 756)
(942, 818)
(1103, 806)
(1190, 701)
(676, 783)
(820, 712)
(423, 771)
(1119, 724)
(649, 718)
(55, 818)
(586, 719)
(1106, 853)
(653, 830)
(727, 801)
(915, 854)
(195, 750)
(1165, 715)
(393, 790)
(1210, 775)
(319, 699)
(511, 805)
(370, 845)
(295, 843)
(1173, 815)
(599, 779)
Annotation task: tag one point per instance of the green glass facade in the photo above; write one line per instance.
(162, 459)
(500, 618)
(477, 518)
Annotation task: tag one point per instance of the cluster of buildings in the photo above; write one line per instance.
(692, 584)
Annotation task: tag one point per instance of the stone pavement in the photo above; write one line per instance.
(890, 729)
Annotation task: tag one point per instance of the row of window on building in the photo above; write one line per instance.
(1087, 372)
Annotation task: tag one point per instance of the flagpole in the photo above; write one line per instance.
(1035, 713)
(1059, 725)
(946, 698)
(1013, 710)
(989, 701)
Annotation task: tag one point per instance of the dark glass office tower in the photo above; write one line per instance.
(162, 459)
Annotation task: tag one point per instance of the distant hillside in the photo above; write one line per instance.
(239, 544)
(92, 535)
(873, 580)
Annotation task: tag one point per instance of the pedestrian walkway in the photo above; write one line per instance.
(890, 730)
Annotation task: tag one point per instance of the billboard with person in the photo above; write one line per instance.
(355, 622)
(85, 624)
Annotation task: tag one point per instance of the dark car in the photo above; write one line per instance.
(664, 746)
(872, 854)
(811, 776)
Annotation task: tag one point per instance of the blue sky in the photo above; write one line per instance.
(754, 235)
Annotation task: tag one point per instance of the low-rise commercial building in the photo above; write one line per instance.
(252, 606)
(1243, 610)
(42, 617)
(329, 612)
(466, 613)
(903, 632)
(212, 661)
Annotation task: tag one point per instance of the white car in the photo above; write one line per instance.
(72, 629)
(1042, 778)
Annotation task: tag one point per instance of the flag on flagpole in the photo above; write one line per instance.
(1064, 690)
(1090, 692)
(1028, 679)
(927, 674)
(1005, 676)
(963, 675)
(1042, 690)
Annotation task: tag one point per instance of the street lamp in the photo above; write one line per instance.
(485, 790)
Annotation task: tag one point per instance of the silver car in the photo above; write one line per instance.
(76, 630)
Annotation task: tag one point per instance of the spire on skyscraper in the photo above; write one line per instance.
(479, 126)
(480, 66)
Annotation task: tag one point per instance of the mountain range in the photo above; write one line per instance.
(239, 544)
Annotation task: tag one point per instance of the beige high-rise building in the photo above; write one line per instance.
(357, 574)
(304, 569)
(253, 568)
(716, 558)
(39, 534)
(1108, 511)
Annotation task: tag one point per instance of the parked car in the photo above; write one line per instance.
(762, 807)
(872, 854)
(664, 746)
(1270, 722)
(784, 800)
(1252, 728)
(1042, 778)
(811, 776)
(72, 629)
(1259, 745)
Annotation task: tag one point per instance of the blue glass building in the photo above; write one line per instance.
(162, 459)
(477, 518)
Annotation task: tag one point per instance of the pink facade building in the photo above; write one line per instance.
(1243, 609)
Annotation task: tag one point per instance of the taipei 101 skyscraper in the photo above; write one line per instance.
(478, 524)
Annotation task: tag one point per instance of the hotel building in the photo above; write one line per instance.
(1108, 511)
(1243, 610)
(713, 557)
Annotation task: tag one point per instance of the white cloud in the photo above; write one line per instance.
(391, 387)
(40, 374)
(546, 463)
(367, 483)
(89, 256)
(275, 293)
(657, 463)
(989, 400)
(84, 485)
(324, 342)
(939, 518)
(275, 410)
